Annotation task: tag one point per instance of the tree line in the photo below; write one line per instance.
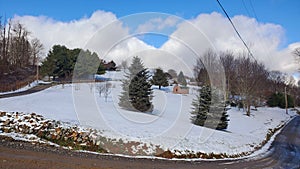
(249, 82)
(16, 50)
(61, 61)
(19, 54)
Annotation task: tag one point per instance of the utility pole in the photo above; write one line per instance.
(37, 72)
(37, 69)
(286, 101)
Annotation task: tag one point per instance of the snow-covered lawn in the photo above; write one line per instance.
(168, 126)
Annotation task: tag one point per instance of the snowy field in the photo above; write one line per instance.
(169, 125)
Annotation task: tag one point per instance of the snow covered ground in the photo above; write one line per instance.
(168, 126)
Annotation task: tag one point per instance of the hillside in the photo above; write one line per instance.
(168, 127)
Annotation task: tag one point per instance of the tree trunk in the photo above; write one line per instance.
(248, 109)
(159, 86)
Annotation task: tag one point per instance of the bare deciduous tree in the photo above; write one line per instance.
(173, 73)
(17, 55)
(107, 90)
(210, 71)
(277, 81)
(228, 61)
(251, 77)
(36, 49)
(296, 52)
(100, 88)
(124, 65)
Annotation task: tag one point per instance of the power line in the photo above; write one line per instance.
(246, 7)
(253, 10)
(250, 53)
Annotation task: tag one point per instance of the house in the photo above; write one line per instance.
(180, 89)
(110, 66)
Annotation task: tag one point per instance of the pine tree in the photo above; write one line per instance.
(181, 79)
(208, 114)
(137, 92)
(159, 78)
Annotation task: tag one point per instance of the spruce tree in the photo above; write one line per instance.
(159, 78)
(208, 114)
(181, 79)
(137, 92)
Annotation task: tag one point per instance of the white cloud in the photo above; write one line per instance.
(158, 24)
(73, 34)
(179, 52)
(98, 33)
(263, 39)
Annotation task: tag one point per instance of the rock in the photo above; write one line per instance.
(6, 130)
(39, 117)
(2, 114)
(74, 134)
(40, 133)
(58, 131)
(31, 138)
(53, 137)
(66, 138)
(79, 139)
(7, 122)
(26, 117)
(48, 136)
(84, 134)
(83, 144)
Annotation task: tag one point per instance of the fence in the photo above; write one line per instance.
(6, 87)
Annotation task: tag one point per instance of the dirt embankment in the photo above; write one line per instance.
(19, 154)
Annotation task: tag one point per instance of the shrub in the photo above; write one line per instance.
(278, 100)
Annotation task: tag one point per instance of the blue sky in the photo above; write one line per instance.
(283, 12)
(269, 27)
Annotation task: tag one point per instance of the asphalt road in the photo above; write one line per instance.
(29, 91)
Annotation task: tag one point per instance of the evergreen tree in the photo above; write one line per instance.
(278, 100)
(201, 106)
(87, 64)
(159, 78)
(181, 79)
(208, 114)
(137, 92)
(61, 62)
